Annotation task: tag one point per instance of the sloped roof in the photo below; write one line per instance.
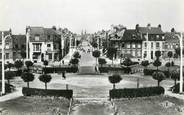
(37, 30)
(151, 30)
(21, 38)
(171, 36)
(131, 35)
(5, 33)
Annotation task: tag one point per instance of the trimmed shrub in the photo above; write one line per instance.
(50, 92)
(71, 69)
(136, 92)
(107, 69)
(151, 71)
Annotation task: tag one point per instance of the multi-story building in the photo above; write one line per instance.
(8, 47)
(131, 44)
(153, 40)
(43, 43)
(49, 43)
(171, 42)
(19, 46)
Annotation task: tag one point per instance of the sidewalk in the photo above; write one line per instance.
(179, 96)
(13, 95)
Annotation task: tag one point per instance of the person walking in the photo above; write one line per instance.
(63, 75)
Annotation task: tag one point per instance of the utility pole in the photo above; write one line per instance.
(181, 63)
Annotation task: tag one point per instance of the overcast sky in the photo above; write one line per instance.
(92, 15)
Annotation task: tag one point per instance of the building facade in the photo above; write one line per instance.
(132, 45)
(153, 40)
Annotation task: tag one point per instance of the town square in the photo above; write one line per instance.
(63, 58)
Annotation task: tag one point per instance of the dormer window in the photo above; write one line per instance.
(37, 37)
(163, 37)
(157, 36)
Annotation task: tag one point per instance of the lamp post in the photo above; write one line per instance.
(3, 75)
(181, 63)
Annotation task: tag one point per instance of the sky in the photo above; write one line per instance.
(90, 15)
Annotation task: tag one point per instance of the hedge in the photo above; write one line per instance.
(60, 69)
(151, 71)
(49, 92)
(136, 92)
(107, 69)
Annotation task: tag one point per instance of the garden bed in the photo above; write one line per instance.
(49, 92)
(136, 92)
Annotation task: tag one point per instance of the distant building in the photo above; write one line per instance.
(19, 46)
(8, 47)
(44, 44)
(132, 44)
(171, 42)
(153, 40)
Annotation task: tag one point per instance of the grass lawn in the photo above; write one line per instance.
(35, 106)
(159, 105)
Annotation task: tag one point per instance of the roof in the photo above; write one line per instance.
(131, 35)
(19, 38)
(5, 33)
(151, 30)
(171, 37)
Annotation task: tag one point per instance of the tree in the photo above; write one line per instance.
(45, 63)
(102, 61)
(158, 54)
(127, 62)
(177, 51)
(29, 64)
(74, 61)
(94, 44)
(18, 64)
(145, 63)
(175, 75)
(157, 63)
(168, 64)
(45, 78)
(116, 78)
(96, 54)
(9, 65)
(23, 54)
(76, 55)
(9, 75)
(169, 54)
(111, 52)
(159, 76)
(27, 77)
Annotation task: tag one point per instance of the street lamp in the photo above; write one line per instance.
(3, 75)
(181, 62)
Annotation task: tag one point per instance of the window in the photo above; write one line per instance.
(0, 55)
(157, 45)
(48, 37)
(128, 45)
(7, 46)
(138, 53)
(128, 51)
(7, 56)
(138, 45)
(50, 56)
(123, 45)
(48, 45)
(133, 45)
(145, 54)
(133, 53)
(151, 45)
(37, 37)
(145, 45)
(36, 47)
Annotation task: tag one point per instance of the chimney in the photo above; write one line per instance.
(149, 26)
(172, 30)
(159, 26)
(137, 27)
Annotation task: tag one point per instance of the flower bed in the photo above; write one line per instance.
(69, 69)
(49, 92)
(136, 92)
